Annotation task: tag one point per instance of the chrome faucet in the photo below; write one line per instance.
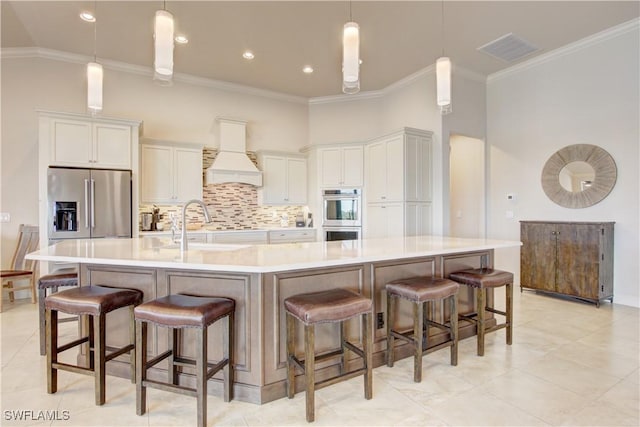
(207, 218)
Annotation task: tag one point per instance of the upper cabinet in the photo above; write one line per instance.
(170, 173)
(341, 166)
(284, 179)
(90, 143)
(399, 167)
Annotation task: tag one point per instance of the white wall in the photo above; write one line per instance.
(183, 112)
(587, 95)
(467, 187)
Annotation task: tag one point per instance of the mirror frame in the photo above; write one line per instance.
(605, 175)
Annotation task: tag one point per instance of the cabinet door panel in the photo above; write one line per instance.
(578, 252)
(377, 172)
(352, 162)
(112, 146)
(156, 177)
(395, 169)
(395, 220)
(188, 174)
(70, 143)
(331, 163)
(376, 220)
(538, 256)
(275, 180)
(297, 181)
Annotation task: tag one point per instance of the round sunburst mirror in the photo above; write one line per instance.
(579, 176)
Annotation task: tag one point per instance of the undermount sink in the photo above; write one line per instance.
(208, 246)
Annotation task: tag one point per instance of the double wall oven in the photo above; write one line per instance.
(342, 214)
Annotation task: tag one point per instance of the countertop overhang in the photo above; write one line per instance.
(163, 253)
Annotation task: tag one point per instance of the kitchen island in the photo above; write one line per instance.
(259, 278)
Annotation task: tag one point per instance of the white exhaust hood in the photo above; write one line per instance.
(232, 163)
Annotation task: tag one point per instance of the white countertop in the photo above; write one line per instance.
(163, 253)
(205, 230)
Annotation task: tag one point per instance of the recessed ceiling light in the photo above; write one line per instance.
(182, 39)
(308, 69)
(248, 55)
(87, 16)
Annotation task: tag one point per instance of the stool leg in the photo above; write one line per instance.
(390, 338)
(172, 370)
(427, 313)
(509, 298)
(344, 357)
(417, 343)
(291, 378)
(52, 350)
(132, 341)
(100, 353)
(227, 371)
(91, 344)
(141, 367)
(367, 347)
(42, 294)
(309, 370)
(481, 300)
(453, 323)
(201, 376)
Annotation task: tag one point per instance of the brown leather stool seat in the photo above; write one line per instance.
(51, 282)
(94, 302)
(332, 306)
(482, 279)
(178, 312)
(422, 292)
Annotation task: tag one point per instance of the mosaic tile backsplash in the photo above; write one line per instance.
(233, 206)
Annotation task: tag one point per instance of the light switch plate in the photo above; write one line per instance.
(5, 217)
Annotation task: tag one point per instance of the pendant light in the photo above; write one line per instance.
(163, 46)
(443, 78)
(351, 56)
(94, 76)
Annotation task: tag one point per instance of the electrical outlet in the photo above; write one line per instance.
(5, 217)
(380, 321)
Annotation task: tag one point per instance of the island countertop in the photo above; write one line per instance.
(163, 253)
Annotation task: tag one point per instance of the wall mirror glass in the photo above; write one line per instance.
(578, 176)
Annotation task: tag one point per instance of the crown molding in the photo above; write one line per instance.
(584, 43)
(56, 55)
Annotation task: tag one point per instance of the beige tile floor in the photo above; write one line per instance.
(570, 364)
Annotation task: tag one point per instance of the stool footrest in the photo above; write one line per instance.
(214, 367)
(72, 368)
(118, 352)
(159, 358)
(72, 344)
(493, 310)
(408, 337)
(339, 378)
(438, 325)
(171, 387)
(496, 327)
(355, 349)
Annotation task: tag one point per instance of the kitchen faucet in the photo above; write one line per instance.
(207, 218)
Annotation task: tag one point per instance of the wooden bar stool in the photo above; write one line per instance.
(336, 305)
(422, 292)
(67, 277)
(178, 312)
(482, 279)
(91, 302)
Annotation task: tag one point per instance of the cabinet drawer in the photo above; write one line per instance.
(289, 236)
(251, 237)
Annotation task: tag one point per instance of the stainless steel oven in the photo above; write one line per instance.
(341, 233)
(342, 208)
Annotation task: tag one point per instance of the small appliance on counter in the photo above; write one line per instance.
(300, 220)
(146, 221)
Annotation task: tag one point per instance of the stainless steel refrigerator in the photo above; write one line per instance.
(88, 203)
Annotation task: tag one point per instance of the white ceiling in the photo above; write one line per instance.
(397, 38)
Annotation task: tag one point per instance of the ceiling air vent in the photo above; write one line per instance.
(508, 48)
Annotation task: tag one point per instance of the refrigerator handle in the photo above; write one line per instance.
(93, 203)
(86, 203)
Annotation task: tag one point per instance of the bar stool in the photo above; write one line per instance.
(51, 282)
(94, 302)
(482, 279)
(178, 312)
(336, 305)
(422, 292)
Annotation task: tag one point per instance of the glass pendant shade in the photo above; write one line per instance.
(443, 84)
(163, 45)
(94, 87)
(351, 58)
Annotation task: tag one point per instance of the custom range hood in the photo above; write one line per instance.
(232, 163)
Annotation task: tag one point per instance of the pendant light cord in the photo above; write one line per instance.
(350, 16)
(442, 26)
(95, 32)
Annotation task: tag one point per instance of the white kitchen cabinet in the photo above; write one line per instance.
(398, 184)
(341, 166)
(170, 173)
(253, 237)
(284, 179)
(292, 236)
(86, 143)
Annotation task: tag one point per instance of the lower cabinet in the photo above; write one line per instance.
(257, 237)
(568, 258)
(292, 236)
(397, 219)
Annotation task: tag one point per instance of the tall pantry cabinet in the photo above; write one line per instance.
(568, 258)
(398, 184)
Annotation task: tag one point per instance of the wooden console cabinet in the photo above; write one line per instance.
(568, 258)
